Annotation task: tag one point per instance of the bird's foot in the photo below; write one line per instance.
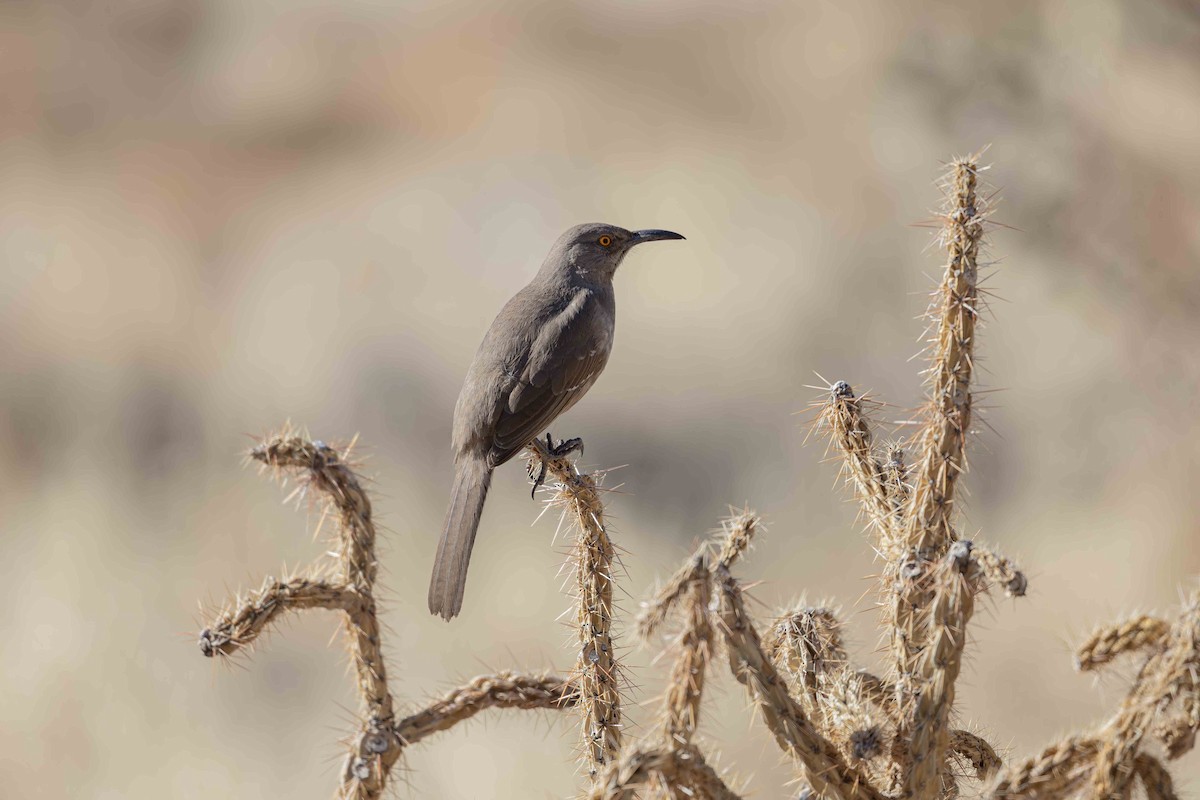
(565, 447)
(547, 451)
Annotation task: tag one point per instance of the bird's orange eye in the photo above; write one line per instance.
(605, 240)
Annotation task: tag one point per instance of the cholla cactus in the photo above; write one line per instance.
(347, 585)
(850, 734)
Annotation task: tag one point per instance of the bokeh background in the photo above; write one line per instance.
(217, 216)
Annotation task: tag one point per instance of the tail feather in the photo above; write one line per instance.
(471, 482)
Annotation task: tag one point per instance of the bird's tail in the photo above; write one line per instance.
(472, 478)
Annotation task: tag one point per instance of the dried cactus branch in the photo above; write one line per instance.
(503, 690)
(824, 768)
(1111, 641)
(878, 692)
(322, 470)
(666, 772)
(1155, 779)
(1177, 731)
(807, 642)
(1058, 769)
(1166, 678)
(1178, 695)
(941, 459)
(938, 668)
(841, 703)
(895, 481)
(240, 625)
(685, 686)
(737, 534)
(977, 752)
(1000, 571)
(319, 466)
(1110, 760)
(844, 416)
(598, 672)
(955, 311)
(665, 601)
(942, 441)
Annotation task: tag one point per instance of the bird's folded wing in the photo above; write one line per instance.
(564, 362)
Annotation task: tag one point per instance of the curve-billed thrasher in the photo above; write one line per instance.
(543, 352)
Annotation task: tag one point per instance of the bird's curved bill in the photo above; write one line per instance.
(652, 236)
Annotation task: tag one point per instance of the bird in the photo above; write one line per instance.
(542, 353)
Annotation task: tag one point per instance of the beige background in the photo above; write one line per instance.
(219, 215)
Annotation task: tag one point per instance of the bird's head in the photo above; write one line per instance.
(595, 250)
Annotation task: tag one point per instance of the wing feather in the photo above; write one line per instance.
(564, 362)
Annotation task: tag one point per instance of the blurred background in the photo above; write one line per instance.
(218, 216)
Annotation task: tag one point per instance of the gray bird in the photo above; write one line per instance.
(543, 352)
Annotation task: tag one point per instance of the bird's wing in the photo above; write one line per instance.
(566, 358)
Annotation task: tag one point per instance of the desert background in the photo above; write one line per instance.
(218, 216)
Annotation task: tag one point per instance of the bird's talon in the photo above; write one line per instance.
(566, 447)
(537, 483)
(547, 451)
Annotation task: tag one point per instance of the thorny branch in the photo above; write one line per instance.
(852, 734)
(347, 586)
(597, 672)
